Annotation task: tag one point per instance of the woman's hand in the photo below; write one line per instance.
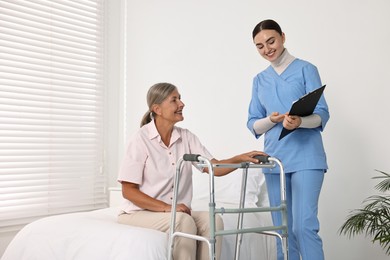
(179, 208)
(291, 122)
(132, 192)
(275, 117)
(245, 157)
(249, 157)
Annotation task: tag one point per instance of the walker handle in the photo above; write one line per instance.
(262, 158)
(191, 157)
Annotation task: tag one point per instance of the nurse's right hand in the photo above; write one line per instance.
(275, 117)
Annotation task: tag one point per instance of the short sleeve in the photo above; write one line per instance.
(133, 164)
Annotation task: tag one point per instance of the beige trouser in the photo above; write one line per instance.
(184, 248)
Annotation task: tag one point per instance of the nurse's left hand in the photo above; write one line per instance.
(291, 122)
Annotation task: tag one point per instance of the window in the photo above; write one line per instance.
(51, 109)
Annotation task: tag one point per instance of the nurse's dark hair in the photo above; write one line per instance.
(156, 95)
(266, 25)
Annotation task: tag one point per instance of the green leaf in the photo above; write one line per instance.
(373, 219)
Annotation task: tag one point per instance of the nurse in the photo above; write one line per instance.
(301, 152)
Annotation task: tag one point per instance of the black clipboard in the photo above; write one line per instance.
(304, 106)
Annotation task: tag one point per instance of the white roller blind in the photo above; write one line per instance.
(51, 109)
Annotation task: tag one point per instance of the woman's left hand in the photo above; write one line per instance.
(245, 157)
(291, 122)
(249, 157)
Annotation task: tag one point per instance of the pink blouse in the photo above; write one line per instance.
(151, 164)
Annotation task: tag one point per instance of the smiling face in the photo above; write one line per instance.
(171, 109)
(269, 44)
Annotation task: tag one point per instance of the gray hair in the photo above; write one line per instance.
(156, 95)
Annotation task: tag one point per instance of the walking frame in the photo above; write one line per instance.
(265, 162)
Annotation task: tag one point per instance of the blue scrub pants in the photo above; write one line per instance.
(302, 194)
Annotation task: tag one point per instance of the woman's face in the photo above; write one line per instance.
(269, 44)
(171, 109)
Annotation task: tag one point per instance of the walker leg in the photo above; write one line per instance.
(285, 248)
(240, 220)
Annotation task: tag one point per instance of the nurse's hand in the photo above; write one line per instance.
(275, 117)
(291, 122)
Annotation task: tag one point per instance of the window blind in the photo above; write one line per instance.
(51, 109)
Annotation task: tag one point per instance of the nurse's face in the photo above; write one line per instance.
(269, 44)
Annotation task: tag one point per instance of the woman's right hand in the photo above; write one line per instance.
(132, 192)
(180, 208)
(275, 117)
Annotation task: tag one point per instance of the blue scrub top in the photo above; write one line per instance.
(303, 148)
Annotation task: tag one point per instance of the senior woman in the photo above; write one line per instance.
(148, 168)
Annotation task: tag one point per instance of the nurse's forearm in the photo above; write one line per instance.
(263, 125)
(311, 121)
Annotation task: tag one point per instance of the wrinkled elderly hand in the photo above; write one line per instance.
(249, 157)
(179, 208)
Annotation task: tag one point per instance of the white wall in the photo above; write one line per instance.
(115, 135)
(205, 48)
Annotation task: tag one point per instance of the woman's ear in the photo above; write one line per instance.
(283, 38)
(156, 109)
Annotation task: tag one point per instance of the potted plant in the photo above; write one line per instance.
(373, 219)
